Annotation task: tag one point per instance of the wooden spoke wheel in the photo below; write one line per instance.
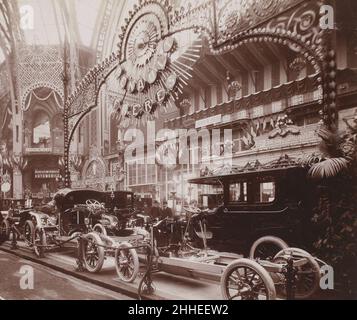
(126, 263)
(245, 279)
(307, 271)
(29, 233)
(93, 252)
(4, 231)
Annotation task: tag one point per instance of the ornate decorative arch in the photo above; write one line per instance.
(294, 23)
(35, 86)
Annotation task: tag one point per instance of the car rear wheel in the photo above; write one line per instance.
(307, 273)
(266, 248)
(126, 262)
(93, 252)
(29, 233)
(245, 279)
(4, 231)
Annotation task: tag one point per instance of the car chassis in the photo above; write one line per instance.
(40, 232)
(291, 273)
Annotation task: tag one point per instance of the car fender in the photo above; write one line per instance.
(37, 218)
(108, 220)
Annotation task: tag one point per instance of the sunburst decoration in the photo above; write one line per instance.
(155, 66)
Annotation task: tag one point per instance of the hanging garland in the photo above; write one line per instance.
(34, 95)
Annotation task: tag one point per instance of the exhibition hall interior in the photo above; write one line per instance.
(178, 149)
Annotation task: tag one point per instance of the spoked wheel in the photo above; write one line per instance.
(307, 277)
(93, 252)
(39, 242)
(126, 263)
(245, 279)
(4, 231)
(266, 248)
(29, 233)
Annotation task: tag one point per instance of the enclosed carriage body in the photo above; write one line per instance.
(110, 213)
(73, 211)
(256, 203)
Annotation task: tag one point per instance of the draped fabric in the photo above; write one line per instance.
(35, 95)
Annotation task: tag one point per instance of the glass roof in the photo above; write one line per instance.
(46, 22)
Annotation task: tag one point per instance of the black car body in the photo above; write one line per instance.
(256, 203)
(73, 210)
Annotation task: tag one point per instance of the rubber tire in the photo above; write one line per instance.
(101, 253)
(315, 266)
(135, 257)
(263, 274)
(5, 229)
(40, 251)
(270, 239)
(103, 231)
(31, 226)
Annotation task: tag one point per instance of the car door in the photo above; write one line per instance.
(269, 213)
(232, 222)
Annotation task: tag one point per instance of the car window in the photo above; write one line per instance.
(238, 192)
(267, 192)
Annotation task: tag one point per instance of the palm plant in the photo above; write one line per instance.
(338, 152)
(335, 213)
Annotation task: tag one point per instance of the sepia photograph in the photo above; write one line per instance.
(182, 152)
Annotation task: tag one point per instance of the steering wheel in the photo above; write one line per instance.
(94, 204)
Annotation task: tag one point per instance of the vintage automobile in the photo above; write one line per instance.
(74, 206)
(25, 224)
(64, 216)
(94, 217)
(110, 211)
(79, 215)
(289, 273)
(258, 201)
(69, 213)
